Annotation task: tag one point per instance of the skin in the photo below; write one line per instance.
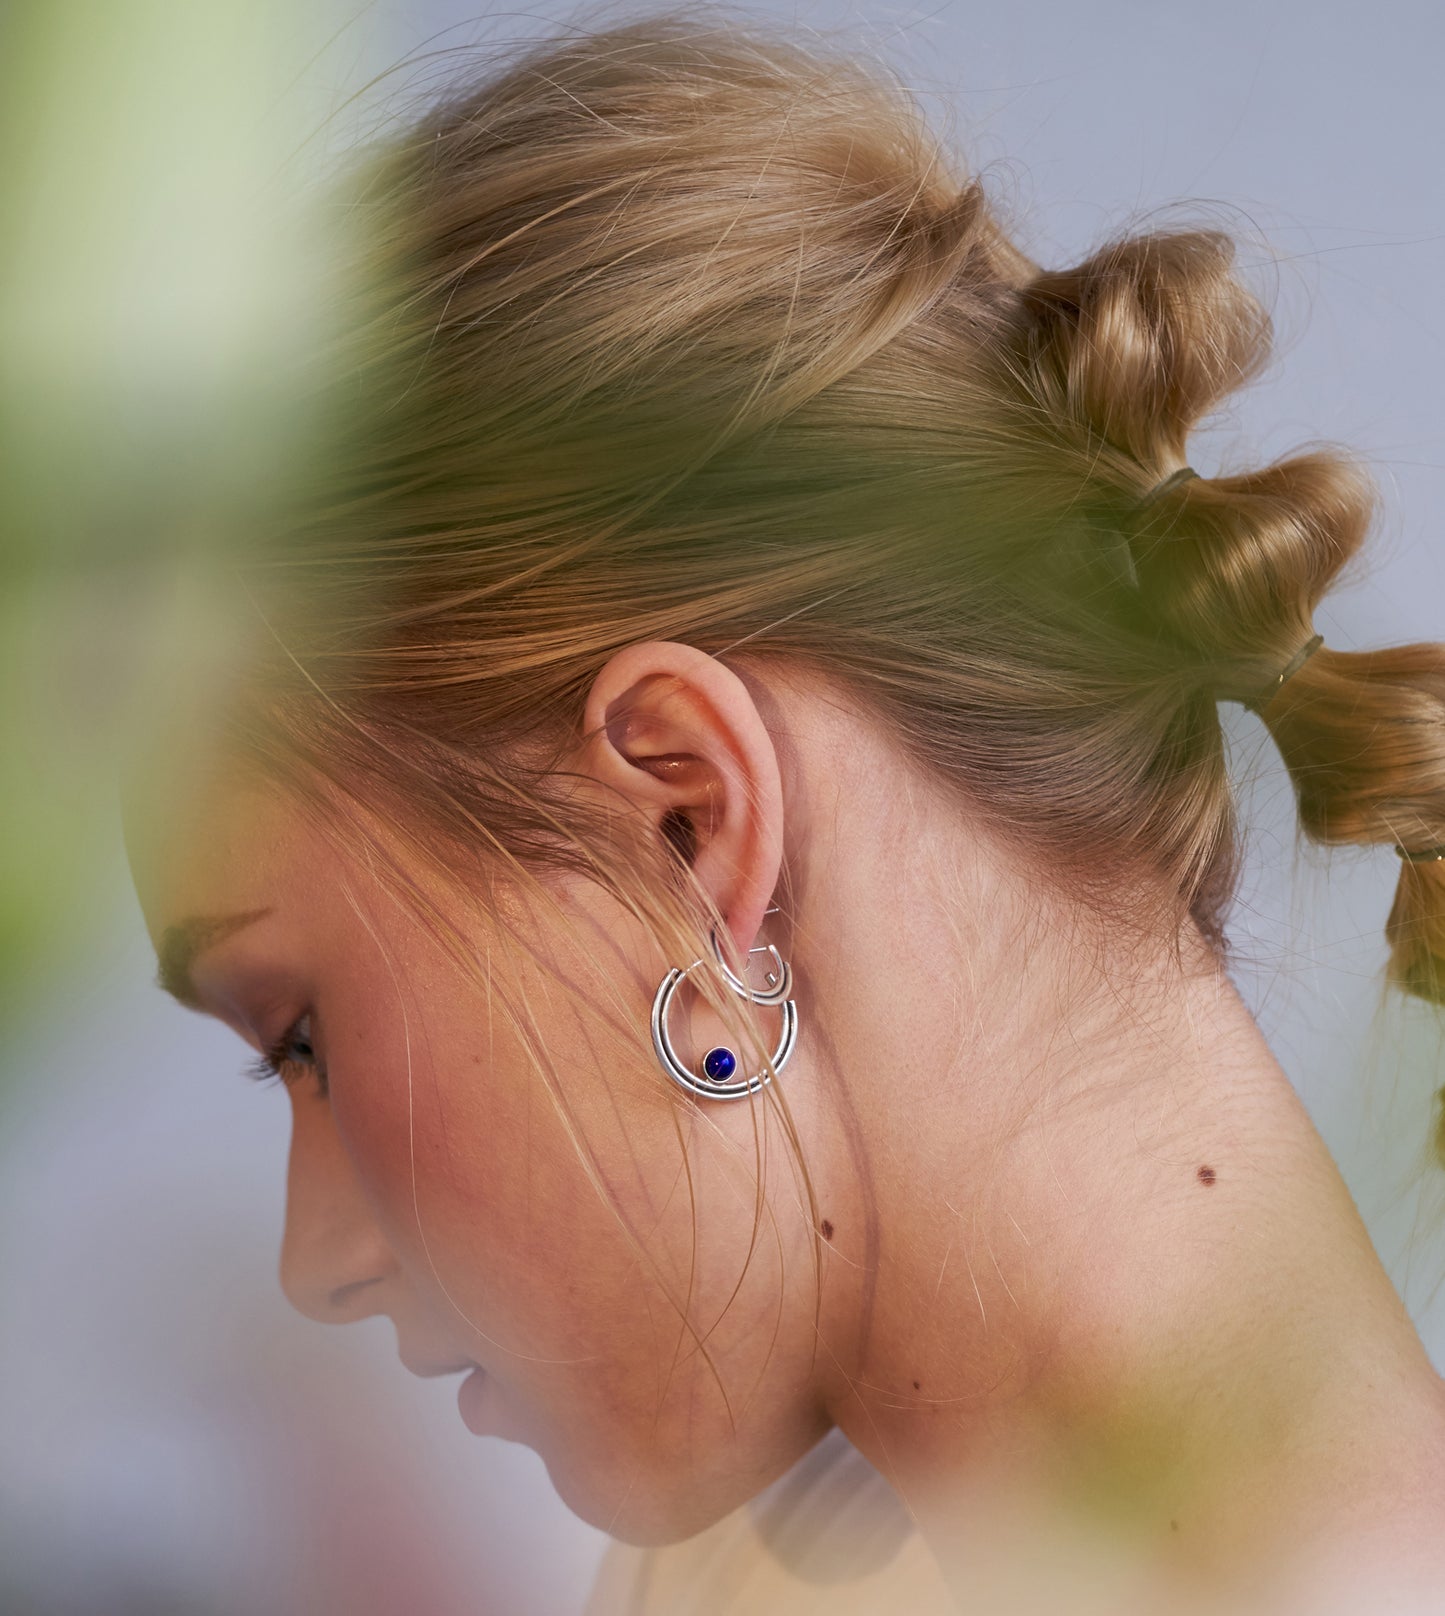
(1093, 1296)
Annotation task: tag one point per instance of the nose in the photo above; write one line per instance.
(335, 1262)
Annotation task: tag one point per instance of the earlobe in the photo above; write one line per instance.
(720, 1077)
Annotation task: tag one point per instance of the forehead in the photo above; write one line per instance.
(202, 839)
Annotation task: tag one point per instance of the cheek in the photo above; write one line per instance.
(473, 1167)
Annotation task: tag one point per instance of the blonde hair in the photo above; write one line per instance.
(690, 328)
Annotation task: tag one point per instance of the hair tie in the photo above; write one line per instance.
(1158, 491)
(1256, 703)
(1423, 856)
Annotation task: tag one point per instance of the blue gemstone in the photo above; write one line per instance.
(719, 1064)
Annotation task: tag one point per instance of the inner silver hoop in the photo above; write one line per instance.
(780, 980)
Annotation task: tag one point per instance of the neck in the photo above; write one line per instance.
(1099, 1286)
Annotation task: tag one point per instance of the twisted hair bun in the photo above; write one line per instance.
(1125, 354)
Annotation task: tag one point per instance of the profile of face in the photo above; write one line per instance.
(641, 1312)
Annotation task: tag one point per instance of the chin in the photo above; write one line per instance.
(648, 1509)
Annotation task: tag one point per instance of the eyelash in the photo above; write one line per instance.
(273, 1064)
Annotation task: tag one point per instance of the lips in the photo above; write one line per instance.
(472, 1401)
(471, 1404)
(430, 1371)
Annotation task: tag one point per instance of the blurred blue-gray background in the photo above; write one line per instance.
(172, 1437)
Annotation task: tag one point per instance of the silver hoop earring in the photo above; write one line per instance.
(719, 1065)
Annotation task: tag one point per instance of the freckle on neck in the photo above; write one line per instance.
(827, 1229)
(1206, 1175)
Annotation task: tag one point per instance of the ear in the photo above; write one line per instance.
(678, 733)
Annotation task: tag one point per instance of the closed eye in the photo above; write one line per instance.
(286, 1059)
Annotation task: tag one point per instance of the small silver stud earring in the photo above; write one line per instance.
(719, 1064)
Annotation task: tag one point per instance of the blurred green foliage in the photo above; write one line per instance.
(162, 265)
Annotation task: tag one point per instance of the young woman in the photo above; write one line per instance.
(722, 824)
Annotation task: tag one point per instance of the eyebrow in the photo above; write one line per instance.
(181, 944)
